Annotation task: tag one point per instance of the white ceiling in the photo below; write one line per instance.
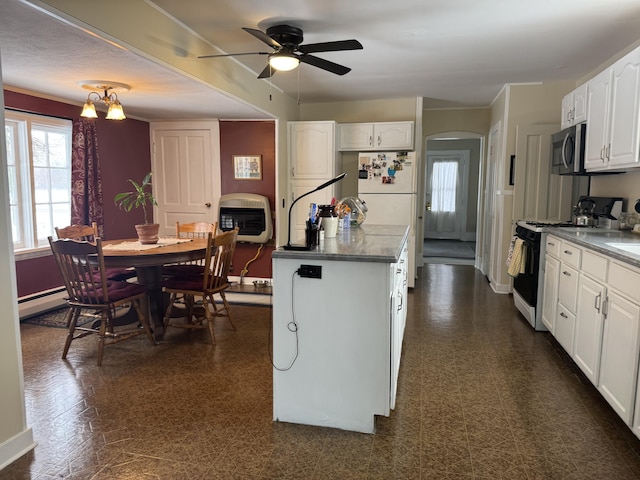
(452, 52)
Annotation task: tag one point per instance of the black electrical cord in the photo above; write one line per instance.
(292, 326)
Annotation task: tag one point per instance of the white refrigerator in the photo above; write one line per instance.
(387, 184)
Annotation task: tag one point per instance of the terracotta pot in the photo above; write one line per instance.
(148, 233)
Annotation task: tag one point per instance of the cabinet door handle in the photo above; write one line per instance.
(564, 272)
(379, 140)
(605, 307)
(602, 154)
(371, 140)
(551, 244)
(608, 151)
(568, 252)
(597, 302)
(563, 315)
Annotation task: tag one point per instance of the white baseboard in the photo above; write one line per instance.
(41, 302)
(15, 447)
(500, 288)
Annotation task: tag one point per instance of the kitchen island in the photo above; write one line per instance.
(337, 339)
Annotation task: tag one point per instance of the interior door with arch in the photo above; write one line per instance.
(445, 194)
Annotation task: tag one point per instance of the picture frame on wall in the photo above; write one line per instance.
(247, 167)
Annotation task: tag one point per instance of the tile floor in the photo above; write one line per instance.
(481, 396)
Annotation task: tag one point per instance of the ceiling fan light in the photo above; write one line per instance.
(115, 111)
(283, 62)
(89, 110)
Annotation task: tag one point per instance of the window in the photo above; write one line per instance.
(39, 168)
(444, 186)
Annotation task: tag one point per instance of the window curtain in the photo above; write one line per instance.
(444, 183)
(86, 181)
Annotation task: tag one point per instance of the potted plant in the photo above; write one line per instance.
(140, 197)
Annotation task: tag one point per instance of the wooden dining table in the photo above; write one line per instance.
(148, 261)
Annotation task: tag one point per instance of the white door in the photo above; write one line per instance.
(184, 159)
(445, 194)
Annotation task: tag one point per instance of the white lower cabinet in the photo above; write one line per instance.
(550, 292)
(592, 307)
(619, 359)
(398, 318)
(337, 356)
(564, 331)
(588, 327)
(565, 318)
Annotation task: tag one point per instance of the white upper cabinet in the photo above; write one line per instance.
(624, 135)
(376, 136)
(574, 107)
(312, 152)
(613, 114)
(313, 160)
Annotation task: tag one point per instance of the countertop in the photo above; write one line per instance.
(365, 243)
(619, 244)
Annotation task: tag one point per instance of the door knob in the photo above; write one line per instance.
(428, 206)
(208, 205)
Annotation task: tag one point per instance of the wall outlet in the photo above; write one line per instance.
(310, 271)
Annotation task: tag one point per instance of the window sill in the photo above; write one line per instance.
(32, 253)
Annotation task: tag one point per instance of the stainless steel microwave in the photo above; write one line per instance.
(567, 150)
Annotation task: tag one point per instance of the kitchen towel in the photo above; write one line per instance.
(516, 258)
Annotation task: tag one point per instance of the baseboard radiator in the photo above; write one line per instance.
(31, 305)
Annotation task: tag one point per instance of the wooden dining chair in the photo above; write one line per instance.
(214, 281)
(81, 264)
(190, 230)
(195, 229)
(89, 233)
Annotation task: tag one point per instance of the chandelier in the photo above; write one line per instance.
(107, 95)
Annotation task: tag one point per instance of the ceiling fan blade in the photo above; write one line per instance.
(267, 72)
(263, 37)
(324, 64)
(331, 46)
(233, 54)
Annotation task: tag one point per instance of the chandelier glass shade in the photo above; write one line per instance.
(109, 98)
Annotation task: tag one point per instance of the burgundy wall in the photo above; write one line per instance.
(250, 138)
(123, 151)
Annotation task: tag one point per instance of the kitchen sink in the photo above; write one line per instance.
(627, 247)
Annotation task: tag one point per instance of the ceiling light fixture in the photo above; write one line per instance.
(283, 61)
(109, 97)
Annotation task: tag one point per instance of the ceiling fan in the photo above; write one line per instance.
(288, 50)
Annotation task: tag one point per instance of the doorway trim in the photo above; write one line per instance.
(458, 135)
